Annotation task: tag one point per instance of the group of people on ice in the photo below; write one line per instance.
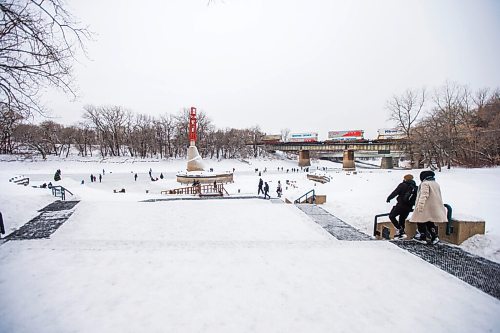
(429, 208)
(264, 189)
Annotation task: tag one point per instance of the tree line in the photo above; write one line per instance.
(114, 131)
(39, 40)
(450, 125)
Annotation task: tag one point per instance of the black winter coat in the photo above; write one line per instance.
(400, 192)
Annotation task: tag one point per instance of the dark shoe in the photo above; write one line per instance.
(400, 236)
(434, 240)
(421, 238)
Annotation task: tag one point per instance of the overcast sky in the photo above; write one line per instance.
(303, 65)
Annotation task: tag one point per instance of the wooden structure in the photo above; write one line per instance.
(205, 178)
(309, 198)
(460, 230)
(201, 190)
(318, 178)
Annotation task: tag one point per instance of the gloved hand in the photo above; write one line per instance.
(388, 200)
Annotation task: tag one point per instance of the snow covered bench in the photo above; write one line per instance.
(20, 180)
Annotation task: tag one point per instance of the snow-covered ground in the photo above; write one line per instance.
(123, 265)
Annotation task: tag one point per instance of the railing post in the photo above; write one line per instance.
(375, 233)
(449, 227)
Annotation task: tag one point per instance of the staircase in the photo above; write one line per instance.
(309, 198)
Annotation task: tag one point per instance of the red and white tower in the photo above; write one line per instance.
(194, 159)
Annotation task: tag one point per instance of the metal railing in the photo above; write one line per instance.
(59, 191)
(449, 227)
(313, 196)
(199, 189)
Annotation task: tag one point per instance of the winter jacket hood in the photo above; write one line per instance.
(429, 204)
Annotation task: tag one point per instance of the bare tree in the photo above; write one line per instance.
(461, 128)
(285, 132)
(405, 110)
(109, 123)
(9, 120)
(168, 130)
(85, 138)
(38, 43)
(31, 137)
(255, 136)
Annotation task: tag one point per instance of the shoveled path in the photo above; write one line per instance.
(46, 223)
(479, 272)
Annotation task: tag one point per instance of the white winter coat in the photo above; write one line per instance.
(429, 204)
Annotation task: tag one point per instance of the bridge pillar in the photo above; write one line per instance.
(304, 159)
(348, 160)
(386, 163)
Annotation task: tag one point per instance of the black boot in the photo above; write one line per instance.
(434, 236)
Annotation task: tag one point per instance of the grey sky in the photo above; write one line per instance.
(304, 65)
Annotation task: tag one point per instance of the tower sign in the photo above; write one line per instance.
(192, 126)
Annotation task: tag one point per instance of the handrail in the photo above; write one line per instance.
(61, 187)
(449, 227)
(61, 190)
(305, 195)
(198, 189)
(375, 222)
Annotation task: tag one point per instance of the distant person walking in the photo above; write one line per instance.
(261, 183)
(100, 178)
(91, 178)
(429, 209)
(266, 190)
(135, 177)
(405, 195)
(279, 190)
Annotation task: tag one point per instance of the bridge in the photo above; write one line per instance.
(346, 150)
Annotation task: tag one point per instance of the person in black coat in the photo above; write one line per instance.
(266, 191)
(261, 182)
(403, 206)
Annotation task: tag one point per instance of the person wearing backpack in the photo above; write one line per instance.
(405, 195)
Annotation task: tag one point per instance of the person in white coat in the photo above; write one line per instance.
(429, 209)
